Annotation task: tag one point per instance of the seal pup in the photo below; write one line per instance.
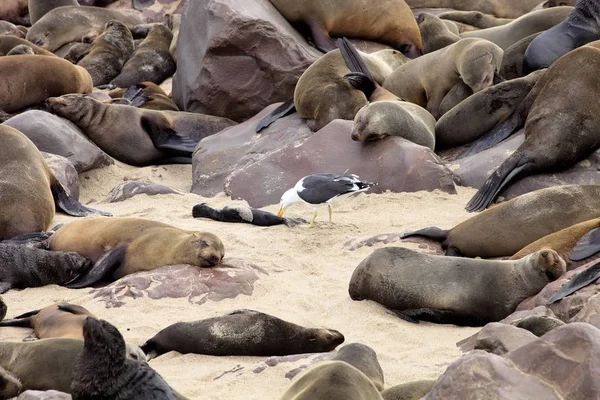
(8, 28)
(491, 233)
(390, 22)
(558, 131)
(30, 191)
(21, 49)
(247, 215)
(408, 391)
(108, 53)
(363, 358)
(474, 18)
(426, 80)
(39, 8)
(581, 26)
(241, 333)
(27, 80)
(500, 9)
(530, 23)
(149, 96)
(75, 24)
(539, 325)
(136, 244)
(151, 61)
(332, 380)
(136, 136)
(460, 291)
(435, 33)
(10, 386)
(56, 321)
(102, 370)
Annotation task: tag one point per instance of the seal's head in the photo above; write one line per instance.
(208, 249)
(549, 264)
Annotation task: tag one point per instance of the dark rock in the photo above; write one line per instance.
(236, 57)
(500, 338)
(65, 172)
(129, 189)
(589, 312)
(394, 163)
(232, 278)
(59, 136)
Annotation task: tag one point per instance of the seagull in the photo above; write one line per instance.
(317, 189)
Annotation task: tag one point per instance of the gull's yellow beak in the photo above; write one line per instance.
(281, 211)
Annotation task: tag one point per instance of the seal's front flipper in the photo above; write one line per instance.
(18, 321)
(34, 239)
(69, 205)
(284, 109)
(133, 91)
(584, 278)
(362, 82)
(165, 138)
(139, 101)
(103, 268)
(439, 316)
(494, 136)
(72, 309)
(431, 232)
(352, 57)
(28, 314)
(202, 210)
(497, 78)
(587, 246)
(321, 37)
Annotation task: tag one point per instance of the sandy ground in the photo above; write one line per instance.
(307, 283)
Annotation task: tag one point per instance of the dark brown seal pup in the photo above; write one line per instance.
(10, 387)
(39, 8)
(108, 53)
(247, 215)
(27, 80)
(580, 27)
(151, 61)
(102, 370)
(455, 290)
(363, 358)
(30, 192)
(558, 131)
(332, 380)
(75, 24)
(136, 136)
(242, 333)
(390, 22)
(55, 321)
(492, 232)
(138, 244)
(149, 96)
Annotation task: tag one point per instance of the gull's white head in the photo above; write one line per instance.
(289, 197)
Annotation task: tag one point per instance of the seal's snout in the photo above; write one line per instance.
(355, 136)
(214, 259)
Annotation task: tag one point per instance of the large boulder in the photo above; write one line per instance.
(59, 136)
(235, 57)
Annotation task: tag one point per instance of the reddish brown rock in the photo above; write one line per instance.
(498, 338)
(236, 57)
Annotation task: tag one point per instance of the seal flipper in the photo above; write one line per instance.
(139, 101)
(103, 268)
(202, 210)
(505, 173)
(5, 287)
(361, 82)
(320, 36)
(439, 316)
(352, 58)
(581, 280)
(497, 78)
(18, 321)
(28, 314)
(72, 309)
(69, 205)
(133, 91)
(167, 139)
(284, 109)
(431, 232)
(494, 136)
(34, 239)
(586, 246)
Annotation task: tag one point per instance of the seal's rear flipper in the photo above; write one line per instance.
(581, 280)
(438, 316)
(72, 309)
(505, 173)
(497, 78)
(139, 101)
(352, 58)
(18, 321)
(34, 239)
(132, 92)
(103, 268)
(494, 136)
(202, 210)
(587, 246)
(431, 232)
(362, 82)
(69, 205)
(165, 138)
(28, 314)
(284, 109)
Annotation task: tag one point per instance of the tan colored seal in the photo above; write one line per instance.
(20, 49)
(435, 33)
(39, 8)
(492, 232)
(408, 391)
(8, 28)
(10, 386)
(455, 290)
(385, 21)
(149, 96)
(426, 80)
(9, 42)
(474, 18)
(30, 192)
(500, 9)
(147, 244)
(14, 11)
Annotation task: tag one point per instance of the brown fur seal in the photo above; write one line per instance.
(242, 333)
(512, 62)
(10, 387)
(390, 22)
(461, 291)
(102, 370)
(408, 391)
(151, 60)
(55, 321)
(20, 50)
(475, 18)
(174, 24)
(75, 24)
(14, 11)
(332, 380)
(558, 131)
(435, 33)
(39, 8)
(539, 325)
(147, 244)
(27, 80)
(8, 28)
(509, 34)
(149, 96)
(426, 80)
(108, 53)
(501, 9)
(363, 358)
(30, 192)
(491, 233)
(476, 115)
(9, 42)
(136, 136)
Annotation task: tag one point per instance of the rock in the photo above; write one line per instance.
(394, 163)
(218, 155)
(589, 312)
(235, 57)
(232, 278)
(65, 172)
(59, 136)
(129, 189)
(40, 395)
(500, 338)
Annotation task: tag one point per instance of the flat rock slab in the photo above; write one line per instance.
(130, 189)
(232, 278)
